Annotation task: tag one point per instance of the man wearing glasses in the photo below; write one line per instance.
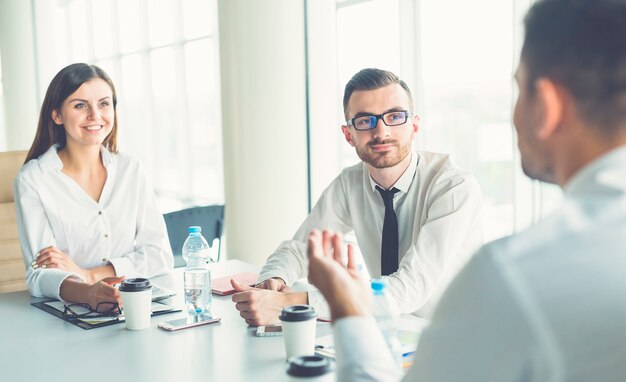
(416, 215)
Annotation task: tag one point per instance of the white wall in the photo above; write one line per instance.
(18, 74)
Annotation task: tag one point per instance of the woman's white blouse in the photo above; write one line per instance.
(124, 228)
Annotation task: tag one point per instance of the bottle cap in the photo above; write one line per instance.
(309, 366)
(378, 285)
(296, 313)
(195, 229)
(135, 285)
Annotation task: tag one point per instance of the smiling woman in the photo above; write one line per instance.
(86, 216)
(88, 115)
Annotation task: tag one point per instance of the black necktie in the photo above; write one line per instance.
(389, 247)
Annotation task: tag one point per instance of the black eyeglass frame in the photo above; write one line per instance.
(113, 311)
(378, 117)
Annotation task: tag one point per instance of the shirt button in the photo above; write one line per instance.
(104, 260)
(106, 235)
(99, 212)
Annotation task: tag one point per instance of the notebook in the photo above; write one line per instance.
(221, 286)
(56, 308)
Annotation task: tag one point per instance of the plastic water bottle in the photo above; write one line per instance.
(386, 313)
(196, 253)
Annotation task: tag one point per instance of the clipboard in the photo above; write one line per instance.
(52, 306)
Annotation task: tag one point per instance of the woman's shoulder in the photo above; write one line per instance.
(32, 169)
(29, 169)
(30, 175)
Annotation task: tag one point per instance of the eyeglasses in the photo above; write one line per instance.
(390, 118)
(103, 309)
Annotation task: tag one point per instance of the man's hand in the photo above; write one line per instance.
(344, 290)
(262, 306)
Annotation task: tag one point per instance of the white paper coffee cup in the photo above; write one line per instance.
(136, 303)
(299, 323)
(310, 368)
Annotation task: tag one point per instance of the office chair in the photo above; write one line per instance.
(210, 218)
(12, 271)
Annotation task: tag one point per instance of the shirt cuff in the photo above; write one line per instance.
(51, 280)
(356, 336)
(362, 351)
(266, 275)
(123, 267)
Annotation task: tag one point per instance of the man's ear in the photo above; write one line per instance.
(416, 127)
(56, 117)
(552, 98)
(346, 133)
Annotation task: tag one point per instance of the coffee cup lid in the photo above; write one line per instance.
(309, 366)
(135, 285)
(296, 313)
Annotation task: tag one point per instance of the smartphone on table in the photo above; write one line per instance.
(269, 331)
(188, 322)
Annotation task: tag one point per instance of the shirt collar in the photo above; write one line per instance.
(50, 159)
(404, 182)
(604, 172)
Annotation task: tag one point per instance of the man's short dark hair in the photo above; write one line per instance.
(371, 79)
(581, 45)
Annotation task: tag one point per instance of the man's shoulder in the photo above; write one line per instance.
(439, 163)
(439, 172)
(533, 242)
(355, 169)
(351, 175)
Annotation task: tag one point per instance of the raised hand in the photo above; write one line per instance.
(346, 293)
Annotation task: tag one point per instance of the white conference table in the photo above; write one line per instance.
(37, 346)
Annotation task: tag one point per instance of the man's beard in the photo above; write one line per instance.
(384, 159)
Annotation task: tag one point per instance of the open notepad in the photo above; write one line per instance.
(56, 308)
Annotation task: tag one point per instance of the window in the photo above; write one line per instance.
(467, 87)
(163, 58)
(468, 94)
(459, 61)
(359, 46)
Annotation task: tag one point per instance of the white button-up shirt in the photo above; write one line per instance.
(548, 304)
(439, 226)
(124, 228)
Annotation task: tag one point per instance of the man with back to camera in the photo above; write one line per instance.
(547, 304)
(416, 215)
